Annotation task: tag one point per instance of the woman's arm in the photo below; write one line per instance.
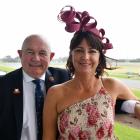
(124, 92)
(50, 116)
(118, 89)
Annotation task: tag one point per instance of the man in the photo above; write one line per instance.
(18, 119)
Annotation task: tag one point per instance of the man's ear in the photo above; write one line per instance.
(19, 53)
(52, 55)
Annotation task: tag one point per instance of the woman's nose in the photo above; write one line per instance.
(86, 54)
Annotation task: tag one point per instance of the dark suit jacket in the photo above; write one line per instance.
(118, 106)
(11, 102)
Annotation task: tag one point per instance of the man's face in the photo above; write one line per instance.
(35, 57)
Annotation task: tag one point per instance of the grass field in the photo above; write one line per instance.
(137, 92)
(128, 132)
(5, 68)
(130, 71)
(124, 132)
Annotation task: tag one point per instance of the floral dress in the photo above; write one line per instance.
(90, 119)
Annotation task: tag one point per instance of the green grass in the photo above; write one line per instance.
(122, 72)
(136, 92)
(123, 75)
(124, 132)
(6, 68)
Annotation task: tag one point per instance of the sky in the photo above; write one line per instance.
(20, 18)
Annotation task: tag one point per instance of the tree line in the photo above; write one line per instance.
(8, 58)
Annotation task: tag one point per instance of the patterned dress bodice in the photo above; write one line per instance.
(90, 119)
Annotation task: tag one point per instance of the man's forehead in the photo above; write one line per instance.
(35, 41)
(37, 48)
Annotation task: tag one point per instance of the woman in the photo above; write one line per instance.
(83, 108)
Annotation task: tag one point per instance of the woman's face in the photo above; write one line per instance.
(85, 59)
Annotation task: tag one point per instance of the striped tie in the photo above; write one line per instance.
(39, 100)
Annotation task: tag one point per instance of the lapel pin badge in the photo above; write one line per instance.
(16, 91)
(51, 78)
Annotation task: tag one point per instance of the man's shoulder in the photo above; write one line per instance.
(12, 74)
(59, 72)
(55, 69)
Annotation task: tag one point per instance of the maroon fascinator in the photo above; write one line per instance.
(76, 21)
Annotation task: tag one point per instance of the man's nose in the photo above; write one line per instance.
(36, 56)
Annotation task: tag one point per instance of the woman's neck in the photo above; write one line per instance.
(86, 82)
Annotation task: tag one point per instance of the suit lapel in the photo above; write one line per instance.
(49, 80)
(17, 92)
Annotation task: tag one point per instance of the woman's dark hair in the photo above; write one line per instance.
(95, 43)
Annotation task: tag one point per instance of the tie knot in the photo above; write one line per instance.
(37, 81)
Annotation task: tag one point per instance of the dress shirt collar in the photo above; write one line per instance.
(28, 78)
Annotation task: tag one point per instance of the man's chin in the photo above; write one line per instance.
(37, 74)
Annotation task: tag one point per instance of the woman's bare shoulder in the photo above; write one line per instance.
(107, 82)
(117, 88)
(113, 85)
(112, 82)
(58, 90)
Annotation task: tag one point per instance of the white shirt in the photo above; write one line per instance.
(29, 131)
